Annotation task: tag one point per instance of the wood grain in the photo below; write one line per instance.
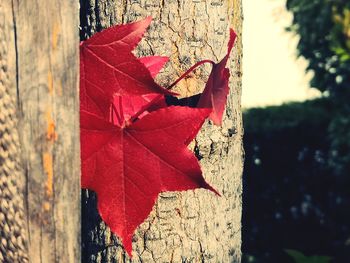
(13, 232)
(44, 85)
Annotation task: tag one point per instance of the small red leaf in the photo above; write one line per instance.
(129, 167)
(217, 89)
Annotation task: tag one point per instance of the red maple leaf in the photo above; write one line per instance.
(128, 167)
(133, 146)
(216, 90)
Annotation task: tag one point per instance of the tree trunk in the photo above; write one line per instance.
(192, 226)
(39, 131)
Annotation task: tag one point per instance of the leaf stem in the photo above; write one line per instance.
(190, 70)
(156, 99)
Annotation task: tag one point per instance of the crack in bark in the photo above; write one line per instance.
(16, 51)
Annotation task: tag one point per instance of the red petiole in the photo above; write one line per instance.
(190, 70)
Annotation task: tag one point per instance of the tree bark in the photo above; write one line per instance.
(39, 131)
(192, 226)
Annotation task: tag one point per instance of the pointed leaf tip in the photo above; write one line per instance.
(127, 243)
(125, 35)
(231, 42)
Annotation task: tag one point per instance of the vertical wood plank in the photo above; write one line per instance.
(46, 44)
(13, 232)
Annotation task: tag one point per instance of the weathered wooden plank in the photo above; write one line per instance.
(13, 234)
(192, 226)
(46, 62)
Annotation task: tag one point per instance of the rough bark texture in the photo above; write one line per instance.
(39, 88)
(193, 226)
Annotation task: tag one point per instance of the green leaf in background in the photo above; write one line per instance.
(324, 30)
(301, 258)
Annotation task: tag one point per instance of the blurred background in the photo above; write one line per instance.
(296, 99)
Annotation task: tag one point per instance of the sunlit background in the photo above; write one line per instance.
(272, 72)
(296, 198)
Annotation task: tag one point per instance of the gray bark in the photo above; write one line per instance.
(192, 226)
(39, 131)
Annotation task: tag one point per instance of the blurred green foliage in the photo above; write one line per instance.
(296, 174)
(297, 190)
(317, 113)
(339, 134)
(324, 30)
(301, 258)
